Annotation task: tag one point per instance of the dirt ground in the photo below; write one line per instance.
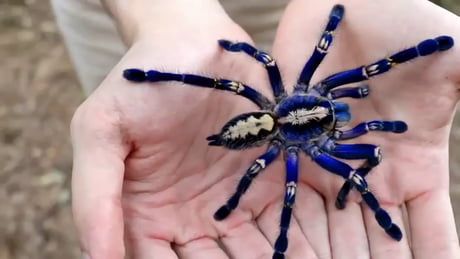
(38, 94)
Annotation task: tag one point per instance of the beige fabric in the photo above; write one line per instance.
(95, 46)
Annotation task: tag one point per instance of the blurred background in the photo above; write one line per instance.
(38, 94)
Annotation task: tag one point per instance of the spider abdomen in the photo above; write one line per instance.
(246, 130)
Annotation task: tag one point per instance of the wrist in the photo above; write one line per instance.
(140, 19)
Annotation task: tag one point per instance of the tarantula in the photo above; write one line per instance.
(308, 120)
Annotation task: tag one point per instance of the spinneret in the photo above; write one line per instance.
(307, 121)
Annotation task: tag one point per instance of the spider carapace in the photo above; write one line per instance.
(309, 120)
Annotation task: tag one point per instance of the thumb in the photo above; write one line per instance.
(97, 179)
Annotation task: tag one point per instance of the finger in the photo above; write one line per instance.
(347, 231)
(298, 246)
(200, 248)
(246, 242)
(151, 249)
(310, 213)
(97, 179)
(381, 245)
(432, 226)
(301, 39)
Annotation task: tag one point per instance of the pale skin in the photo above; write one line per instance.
(146, 184)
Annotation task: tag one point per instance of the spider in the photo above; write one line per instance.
(309, 121)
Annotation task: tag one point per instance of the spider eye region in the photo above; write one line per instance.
(246, 130)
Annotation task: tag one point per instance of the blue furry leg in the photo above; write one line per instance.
(292, 171)
(322, 47)
(264, 58)
(257, 166)
(372, 161)
(381, 215)
(376, 125)
(351, 92)
(340, 168)
(424, 48)
(138, 76)
(370, 153)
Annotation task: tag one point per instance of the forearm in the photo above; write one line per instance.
(140, 18)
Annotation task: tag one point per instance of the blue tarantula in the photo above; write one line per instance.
(308, 120)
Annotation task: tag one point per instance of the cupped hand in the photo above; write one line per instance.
(413, 179)
(144, 180)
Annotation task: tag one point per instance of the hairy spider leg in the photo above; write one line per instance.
(321, 48)
(138, 75)
(369, 152)
(362, 73)
(340, 168)
(292, 175)
(359, 130)
(257, 166)
(350, 92)
(381, 215)
(375, 125)
(264, 58)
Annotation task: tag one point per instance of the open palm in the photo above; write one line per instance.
(423, 93)
(142, 166)
(144, 173)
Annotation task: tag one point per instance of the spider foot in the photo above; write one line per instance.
(335, 17)
(278, 255)
(445, 42)
(281, 244)
(341, 201)
(384, 220)
(222, 213)
(394, 232)
(226, 44)
(340, 204)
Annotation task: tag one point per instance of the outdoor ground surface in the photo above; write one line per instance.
(38, 94)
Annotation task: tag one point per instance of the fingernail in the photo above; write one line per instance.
(85, 256)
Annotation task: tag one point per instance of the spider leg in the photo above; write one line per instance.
(362, 73)
(292, 170)
(376, 125)
(361, 129)
(258, 165)
(138, 75)
(340, 168)
(352, 92)
(264, 58)
(369, 152)
(381, 215)
(322, 47)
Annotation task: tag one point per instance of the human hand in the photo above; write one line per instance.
(414, 172)
(143, 173)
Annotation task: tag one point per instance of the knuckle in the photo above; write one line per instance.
(94, 120)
